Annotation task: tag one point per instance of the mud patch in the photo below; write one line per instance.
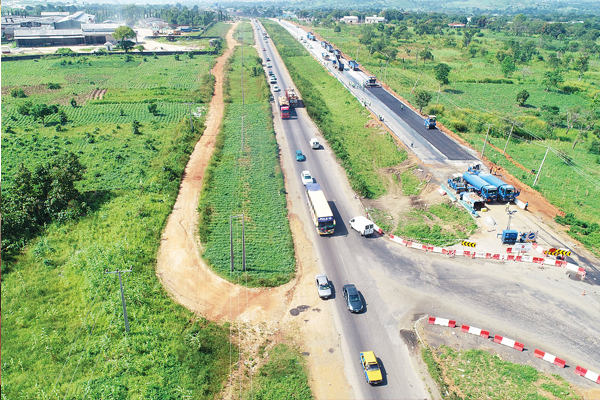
(410, 338)
(296, 311)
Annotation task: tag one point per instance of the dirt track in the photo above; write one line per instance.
(179, 266)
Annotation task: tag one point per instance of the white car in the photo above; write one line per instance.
(269, 65)
(276, 88)
(323, 286)
(306, 177)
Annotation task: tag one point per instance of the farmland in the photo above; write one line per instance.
(247, 179)
(478, 93)
(63, 331)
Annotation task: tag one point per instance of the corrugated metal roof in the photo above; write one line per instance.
(47, 33)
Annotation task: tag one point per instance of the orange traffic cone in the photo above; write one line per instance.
(583, 294)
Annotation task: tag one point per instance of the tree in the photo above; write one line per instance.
(552, 79)
(41, 111)
(176, 57)
(127, 45)
(422, 99)
(572, 118)
(508, 66)
(123, 32)
(135, 127)
(522, 97)
(337, 29)
(426, 55)
(582, 65)
(152, 108)
(73, 102)
(63, 117)
(467, 37)
(441, 73)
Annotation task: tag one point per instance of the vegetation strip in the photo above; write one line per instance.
(247, 180)
(63, 332)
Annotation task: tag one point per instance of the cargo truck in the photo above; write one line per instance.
(292, 97)
(430, 122)
(340, 65)
(457, 183)
(353, 65)
(284, 107)
(476, 184)
(311, 36)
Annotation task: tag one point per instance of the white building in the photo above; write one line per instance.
(350, 19)
(374, 19)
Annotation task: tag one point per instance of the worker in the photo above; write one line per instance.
(507, 207)
(526, 205)
(401, 106)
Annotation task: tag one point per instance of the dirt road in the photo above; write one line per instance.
(179, 266)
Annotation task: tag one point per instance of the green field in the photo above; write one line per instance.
(477, 374)
(63, 331)
(362, 151)
(467, 104)
(247, 180)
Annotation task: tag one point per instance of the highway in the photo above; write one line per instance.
(346, 257)
(542, 308)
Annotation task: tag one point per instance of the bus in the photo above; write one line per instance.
(319, 209)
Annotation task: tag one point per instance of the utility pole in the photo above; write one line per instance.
(118, 271)
(486, 137)
(358, 48)
(540, 170)
(511, 129)
(417, 81)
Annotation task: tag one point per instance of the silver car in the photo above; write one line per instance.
(323, 286)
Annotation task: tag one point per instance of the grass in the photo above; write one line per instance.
(63, 332)
(437, 224)
(247, 181)
(467, 105)
(476, 374)
(411, 185)
(284, 376)
(362, 151)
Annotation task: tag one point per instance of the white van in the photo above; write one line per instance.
(362, 225)
(314, 143)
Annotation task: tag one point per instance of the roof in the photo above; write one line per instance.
(369, 357)
(47, 33)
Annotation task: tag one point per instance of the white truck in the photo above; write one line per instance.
(362, 225)
(314, 143)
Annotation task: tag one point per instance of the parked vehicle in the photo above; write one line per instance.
(314, 143)
(306, 177)
(337, 53)
(457, 183)
(276, 88)
(353, 301)
(273, 79)
(323, 286)
(362, 225)
(371, 367)
(300, 156)
(311, 36)
(340, 65)
(506, 192)
(473, 200)
(481, 187)
(430, 122)
(353, 65)
(269, 65)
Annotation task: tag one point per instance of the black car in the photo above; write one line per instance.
(353, 301)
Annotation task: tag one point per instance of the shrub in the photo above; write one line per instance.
(438, 110)
(18, 93)
(53, 86)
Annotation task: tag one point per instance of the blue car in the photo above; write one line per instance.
(300, 156)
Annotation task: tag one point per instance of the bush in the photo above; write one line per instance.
(53, 86)
(18, 93)
(438, 110)
(457, 125)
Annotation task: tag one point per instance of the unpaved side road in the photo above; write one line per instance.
(179, 266)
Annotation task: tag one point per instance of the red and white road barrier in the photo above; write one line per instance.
(509, 342)
(592, 376)
(377, 229)
(475, 331)
(550, 358)
(442, 321)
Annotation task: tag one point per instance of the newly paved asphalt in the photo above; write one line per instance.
(437, 138)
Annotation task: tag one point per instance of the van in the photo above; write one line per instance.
(362, 225)
(314, 144)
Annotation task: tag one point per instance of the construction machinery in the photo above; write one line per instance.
(371, 81)
(353, 65)
(430, 122)
(457, 183)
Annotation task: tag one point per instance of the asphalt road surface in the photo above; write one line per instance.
(437, 138)
(542, 308)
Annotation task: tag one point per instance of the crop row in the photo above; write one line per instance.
(102, 113)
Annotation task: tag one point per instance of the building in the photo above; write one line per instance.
(13, 22)
(350, 19)
(456, 25)
(48, 37)
(374, 19)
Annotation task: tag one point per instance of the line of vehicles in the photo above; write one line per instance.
(324, 221)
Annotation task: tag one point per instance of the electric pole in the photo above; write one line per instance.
(486, 136)
(540, 170)
(511, 129)
(119, 272)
